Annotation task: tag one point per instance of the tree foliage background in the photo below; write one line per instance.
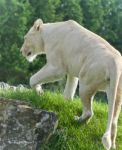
(103, 17)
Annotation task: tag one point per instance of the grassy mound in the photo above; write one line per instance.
(70, 135)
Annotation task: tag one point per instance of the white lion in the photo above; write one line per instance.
(80, 54)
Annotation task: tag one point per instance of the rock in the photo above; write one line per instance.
(20, 87)
(5, 86)
(24, 128)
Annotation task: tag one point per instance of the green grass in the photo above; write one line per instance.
(70, 135)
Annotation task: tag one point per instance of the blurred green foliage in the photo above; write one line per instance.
(103, 17)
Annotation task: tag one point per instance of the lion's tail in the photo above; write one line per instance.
(115, 73)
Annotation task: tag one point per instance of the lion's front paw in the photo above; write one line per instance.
(39, 89)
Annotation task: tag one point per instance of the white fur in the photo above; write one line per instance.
(31, 58)
(80, 54)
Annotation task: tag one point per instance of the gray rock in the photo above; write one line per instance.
(5, 86)
(20, 87)
(24, 128)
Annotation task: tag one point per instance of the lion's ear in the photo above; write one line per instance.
(38, 24)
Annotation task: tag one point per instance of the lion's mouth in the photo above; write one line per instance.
(31, 58)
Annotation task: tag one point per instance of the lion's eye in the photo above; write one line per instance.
(29, 53)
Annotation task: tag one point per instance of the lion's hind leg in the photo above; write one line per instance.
(86, 93)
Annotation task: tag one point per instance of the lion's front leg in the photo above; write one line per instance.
(70, 87)
(38, 89)
(48, 73)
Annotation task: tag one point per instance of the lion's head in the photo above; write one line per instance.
(33, 42)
